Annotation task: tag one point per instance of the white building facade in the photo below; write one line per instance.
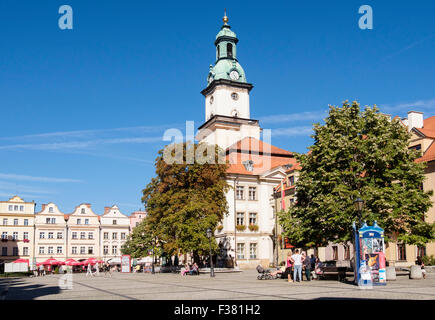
(115, 229)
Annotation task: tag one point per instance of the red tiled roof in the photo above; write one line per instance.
(428, 131)
(257, 146)
(429, 155)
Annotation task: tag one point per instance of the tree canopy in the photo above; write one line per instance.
(186, 198)
(139, 242)
(358, 153)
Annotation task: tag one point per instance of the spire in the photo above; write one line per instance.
(225, 18)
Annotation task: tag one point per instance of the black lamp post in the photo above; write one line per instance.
(209, 235)
(358, 203)
(154, 244)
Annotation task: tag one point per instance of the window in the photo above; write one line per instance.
(59, 250)
(15, 236)
(50, 250)
(50, 235)
(334, 253)
(229, 50)
(252, 251)
(5, 222)
(79, 221)
(421, 251)
(82, 235)
(4, 235)
(90, 235)
(74, 250)
(21, 208)
(347, 253)
(82, 250)
(47, 220)
(106, 236)
(90, 250)
(114, 250)
(53, 220)
(122, 235)
(25, 235)
(4, 251)
(41, 250)
(219, 51)
(234, 96)
(105, 250)
(15, 208)
(114, 236)
(253, 218)
(240, 251)
(59, 235)
(42, 235)
(86, 221)
(50, 209)
(240, 219)
(416, 147)
(74, 235)
(11, 208)
(291, 180)
(83, 211)
(15, 222)
(26, 222)
(15, 251)
(252, 193)
(239, 192)
(114, 222)
(25, 251)
(401, 252)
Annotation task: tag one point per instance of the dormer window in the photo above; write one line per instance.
(229, 50)
(114, 221)
(50, 209)
(249, 165)
(83, 211)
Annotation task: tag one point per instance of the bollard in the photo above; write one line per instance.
(415, 273)
(391, 273)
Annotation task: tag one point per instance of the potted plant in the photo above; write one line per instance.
(253, 227)
(219, 227)
(25, 240)
(240, 227)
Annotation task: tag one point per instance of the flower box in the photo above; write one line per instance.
(253, 227)
(26, 240)
(240, 227)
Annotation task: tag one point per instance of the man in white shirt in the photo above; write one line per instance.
(297, 260)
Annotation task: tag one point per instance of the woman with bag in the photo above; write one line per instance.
(288, 269)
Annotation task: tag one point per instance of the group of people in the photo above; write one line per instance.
(296, 263)
(190, 269)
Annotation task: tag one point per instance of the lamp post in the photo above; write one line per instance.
(152, 267)
(209, 235)
(358, 203)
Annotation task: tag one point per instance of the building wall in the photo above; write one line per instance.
(16, 208)
(56, 227)
(136, 218)
(117, 227)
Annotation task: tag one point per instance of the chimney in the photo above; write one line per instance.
(106, 209)
(405, 121)
(415, 119)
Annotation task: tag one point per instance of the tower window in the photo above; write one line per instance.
(229, 50)
(219, 51)
(235, 96)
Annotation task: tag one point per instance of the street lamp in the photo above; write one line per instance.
(154, 244)
(358, 203)
(209, 235)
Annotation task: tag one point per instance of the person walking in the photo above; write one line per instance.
(41, 270)
(89, 271)
(107, 269)
(307, 266)
(297, 260)
(288, 269)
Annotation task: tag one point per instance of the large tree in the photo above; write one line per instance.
(187, 197)
(140, 241)
(358, 154)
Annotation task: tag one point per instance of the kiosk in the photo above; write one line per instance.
(369, 256)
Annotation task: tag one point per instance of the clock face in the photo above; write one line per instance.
(234, 75)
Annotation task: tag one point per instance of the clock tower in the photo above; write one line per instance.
(227, 114)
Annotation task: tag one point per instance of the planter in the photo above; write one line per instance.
(253, 227)
(240, 227)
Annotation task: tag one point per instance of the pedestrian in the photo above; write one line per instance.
(97, 270)
(89, 271)
(419, 262)
(307, 266)
(297, 260)
(107, 269)
(41, 270)
(288, 269)
(313, 262)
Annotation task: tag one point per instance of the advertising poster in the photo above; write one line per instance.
(125, 263)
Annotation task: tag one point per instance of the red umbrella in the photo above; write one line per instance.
(70, 262)
(21, 261)
(76, 263)
(50, 262)
(100, 261)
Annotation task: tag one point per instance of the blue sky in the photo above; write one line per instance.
(83, 111)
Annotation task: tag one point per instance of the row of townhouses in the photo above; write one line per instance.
(53, 234)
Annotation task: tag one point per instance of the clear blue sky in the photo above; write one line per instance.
(83, 111)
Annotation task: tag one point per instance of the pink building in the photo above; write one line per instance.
(136, 218)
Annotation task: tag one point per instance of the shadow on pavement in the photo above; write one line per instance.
(29, 292)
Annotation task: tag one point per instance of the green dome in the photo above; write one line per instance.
(226, 32)
(223, 68)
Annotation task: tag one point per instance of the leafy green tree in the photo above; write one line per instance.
(185, 199)
(358, 154)
(139, 242)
